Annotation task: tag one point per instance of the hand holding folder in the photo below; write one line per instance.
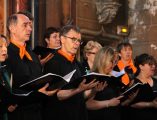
(132, 89)
(55, 81)
(110, 80)
(47, 92)
(58, 82)
(130, 93)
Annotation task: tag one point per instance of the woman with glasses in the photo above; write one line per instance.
(143, 106)
(89, 52)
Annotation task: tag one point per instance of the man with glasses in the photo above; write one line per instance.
(68, 103)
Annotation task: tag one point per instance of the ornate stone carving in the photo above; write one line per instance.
(106, 10)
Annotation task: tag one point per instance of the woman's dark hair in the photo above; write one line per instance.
(48, 32)
(143, 59)
(123, 44)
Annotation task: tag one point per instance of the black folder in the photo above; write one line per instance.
(132, 88)
(55, 81)
(111, 80)
(58, 82)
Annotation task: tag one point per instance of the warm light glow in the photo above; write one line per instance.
(124, 30)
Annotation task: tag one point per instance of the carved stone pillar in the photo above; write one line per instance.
(106, 10)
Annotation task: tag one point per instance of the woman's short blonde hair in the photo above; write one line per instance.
(103, 57)
(90, 46)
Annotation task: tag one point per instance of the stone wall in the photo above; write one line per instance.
(143, 22)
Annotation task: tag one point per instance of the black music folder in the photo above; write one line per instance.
(55, 81)
(132, 89)
(58, 82)
(111, 80)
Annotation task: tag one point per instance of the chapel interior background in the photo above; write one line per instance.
(98, 20)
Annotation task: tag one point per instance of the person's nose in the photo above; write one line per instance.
(58, 38)
(29, 28)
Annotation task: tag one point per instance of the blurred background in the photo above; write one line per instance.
(106, 21)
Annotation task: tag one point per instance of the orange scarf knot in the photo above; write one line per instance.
(68, 57)
(121, 66)
(22, 51)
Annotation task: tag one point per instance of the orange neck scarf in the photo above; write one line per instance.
(125, 77)
(23, 51)
(122, 66)
(68, 57)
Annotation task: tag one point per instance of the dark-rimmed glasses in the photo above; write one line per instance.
(91, 53)
(74, 40)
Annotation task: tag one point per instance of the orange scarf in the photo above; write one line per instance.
(23, 51)
(121, 66)
(68, 57)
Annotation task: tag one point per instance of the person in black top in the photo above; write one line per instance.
(144, 104)
(69, 103)
(23, 64)
(105, 104)
(125, 62)
(51, 43)
(4, 77)
(6, 100)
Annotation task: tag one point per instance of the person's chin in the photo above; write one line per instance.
(128, 59)
(58, 45)
(2, 59)
(27, 37)
(73, 52)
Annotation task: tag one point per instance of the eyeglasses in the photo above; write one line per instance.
(74, 40)
(92, 53)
